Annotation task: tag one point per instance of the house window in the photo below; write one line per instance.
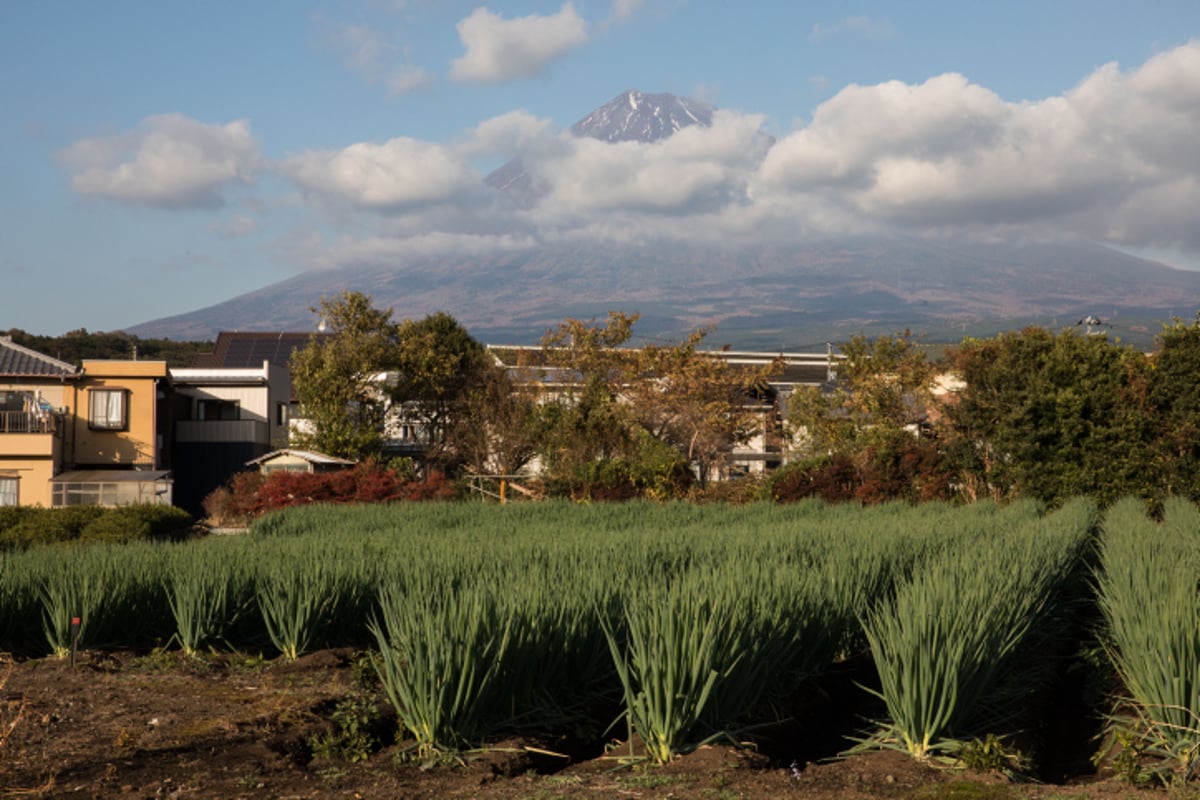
(218, 410)
(16, 401)
(18, 412)
(107, 410)
(267, 469)
(8, 491)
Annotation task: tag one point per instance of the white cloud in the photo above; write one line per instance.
(499, 49)
(385, 250)
(397, 173)
(512, 134)
(624, 9)
(377, 60)
(1111, 160)
(168, 161)
(862, 125)
(406, 78)
(363, 50)
(697, 168)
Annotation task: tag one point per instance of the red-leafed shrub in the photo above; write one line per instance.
(251, 493)
(377, 486)
(833, 479)
(236, 503)
(914, 471)
(435, 486)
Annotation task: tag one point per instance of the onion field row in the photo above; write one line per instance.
(690, 622)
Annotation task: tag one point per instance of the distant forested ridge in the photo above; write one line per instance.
(76, 345)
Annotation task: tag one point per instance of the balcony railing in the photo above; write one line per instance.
(26, 422)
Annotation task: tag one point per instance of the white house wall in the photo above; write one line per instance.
(252, 400)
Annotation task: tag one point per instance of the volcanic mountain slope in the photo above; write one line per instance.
(776, 298)
(780, 296)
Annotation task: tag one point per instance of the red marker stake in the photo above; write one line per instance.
(74, 639)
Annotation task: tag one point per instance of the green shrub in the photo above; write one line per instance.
(91, 524)
(11, 516)
(748, 489)
(49, 525)
(657, 472)
(137, 523)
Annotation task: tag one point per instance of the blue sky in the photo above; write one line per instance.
(160, 157)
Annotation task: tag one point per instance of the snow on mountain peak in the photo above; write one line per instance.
(631, 116)
(639, 117)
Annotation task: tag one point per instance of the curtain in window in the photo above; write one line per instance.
(8, 491)
(108, 409)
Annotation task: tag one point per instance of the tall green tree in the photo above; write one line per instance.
(1051, 416)
(498, 429)
(438, 364)
(340, 381)
(1174, 396)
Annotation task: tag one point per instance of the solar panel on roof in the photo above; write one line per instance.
(251, 349)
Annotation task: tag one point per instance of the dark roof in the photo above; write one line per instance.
(237, 349)
(111, 476)
(811, 374)
(21, 362)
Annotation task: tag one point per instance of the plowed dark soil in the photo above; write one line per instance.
(159, 725)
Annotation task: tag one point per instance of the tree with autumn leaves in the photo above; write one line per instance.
(653, 419)
(865, 436)
(1036, 414)
(699, 404)
(608, 419)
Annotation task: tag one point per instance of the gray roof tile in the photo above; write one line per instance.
(21, 362)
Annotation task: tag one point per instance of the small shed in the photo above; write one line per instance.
(298, 461)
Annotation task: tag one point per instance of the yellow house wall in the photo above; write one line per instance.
(35, 458)
(138, 442)
(33, 487)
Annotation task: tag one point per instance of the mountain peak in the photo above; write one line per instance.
(635, 116)
(631, 116)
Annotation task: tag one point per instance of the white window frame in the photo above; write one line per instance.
(108, 409)
(10, 490)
